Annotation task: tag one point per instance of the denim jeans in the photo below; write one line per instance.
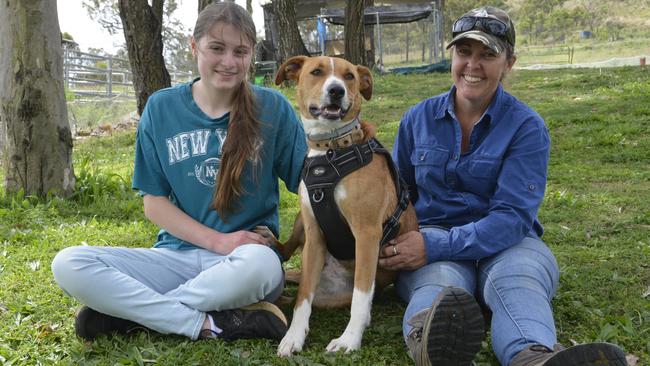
(168, 290)
(516, 285)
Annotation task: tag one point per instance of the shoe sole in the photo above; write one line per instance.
(590, 354)
(267, 306)
(456, 329)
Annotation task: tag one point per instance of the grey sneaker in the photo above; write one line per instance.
(590, 354)
(259, 320)
(450, 333)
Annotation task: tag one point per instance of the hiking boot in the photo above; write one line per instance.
(90, 324)
(450, 333)
(590, 354)
(259, 320)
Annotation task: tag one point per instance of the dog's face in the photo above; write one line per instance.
(329, 89)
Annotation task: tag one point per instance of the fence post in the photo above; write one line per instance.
(109, 77)
(66, 68)
(570, 52)
(381, 50)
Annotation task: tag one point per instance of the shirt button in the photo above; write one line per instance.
(455, 157)
(421, 157)
(531, 187)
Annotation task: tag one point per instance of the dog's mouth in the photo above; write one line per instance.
(330, 111)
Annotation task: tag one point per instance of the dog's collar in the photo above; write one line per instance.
(340, 137)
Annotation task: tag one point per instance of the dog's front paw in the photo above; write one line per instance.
(290, 344)
(345, 342)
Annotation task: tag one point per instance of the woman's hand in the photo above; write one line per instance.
(171, 218)
(406, 252)
(224, 243)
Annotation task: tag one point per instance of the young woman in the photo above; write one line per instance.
(208, 157)
(475, 159)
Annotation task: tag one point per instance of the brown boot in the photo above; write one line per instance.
(449, 333)
(590, 354)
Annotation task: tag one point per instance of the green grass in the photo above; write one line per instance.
(85, 115)
(584, 52)
(596, 215)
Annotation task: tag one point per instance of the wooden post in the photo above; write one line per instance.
(381, 48)
(109, 77)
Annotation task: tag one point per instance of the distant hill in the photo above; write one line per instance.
(553, 21)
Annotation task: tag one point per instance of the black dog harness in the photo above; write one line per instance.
(322, 173)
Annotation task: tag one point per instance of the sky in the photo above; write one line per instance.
(74, 19)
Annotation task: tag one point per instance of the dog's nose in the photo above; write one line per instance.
(336, 92)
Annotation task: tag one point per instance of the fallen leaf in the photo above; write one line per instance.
(632, 360)
(34, 266)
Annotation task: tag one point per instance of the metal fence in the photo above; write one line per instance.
(98, 76)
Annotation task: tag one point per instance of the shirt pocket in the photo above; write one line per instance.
(484, 167)
(429, 164)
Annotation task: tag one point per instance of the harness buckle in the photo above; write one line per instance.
(318, 195)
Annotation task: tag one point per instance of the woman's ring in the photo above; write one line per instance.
(395, 252)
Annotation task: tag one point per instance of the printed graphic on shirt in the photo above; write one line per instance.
(197, 143)
(186, 145)
(206, 173)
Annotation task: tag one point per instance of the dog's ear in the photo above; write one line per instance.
(290, 69)
(365, 84)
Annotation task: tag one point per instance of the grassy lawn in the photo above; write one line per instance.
(596, 214)
(584, 52)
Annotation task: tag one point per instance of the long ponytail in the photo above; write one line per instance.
(241, 146)
(242, 143)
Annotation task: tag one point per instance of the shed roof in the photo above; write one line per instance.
(404, 13)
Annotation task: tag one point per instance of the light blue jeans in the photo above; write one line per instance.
(516, 284)
(168, 290)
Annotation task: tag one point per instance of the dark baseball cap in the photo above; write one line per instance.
(488, 25)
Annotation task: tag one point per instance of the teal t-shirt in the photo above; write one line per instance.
(178, 155)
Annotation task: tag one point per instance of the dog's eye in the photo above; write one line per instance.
(317, 72)
(349, 76)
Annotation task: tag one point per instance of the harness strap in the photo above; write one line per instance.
(322, 173)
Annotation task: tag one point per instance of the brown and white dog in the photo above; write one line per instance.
(329, 93)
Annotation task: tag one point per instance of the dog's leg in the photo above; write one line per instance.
(367, 251)
(313, 260)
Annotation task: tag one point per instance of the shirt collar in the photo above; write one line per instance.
(495, 108)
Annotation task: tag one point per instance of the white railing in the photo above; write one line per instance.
(94, 76)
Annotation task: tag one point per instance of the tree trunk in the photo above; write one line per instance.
(33, 111)
(204, 3)
(142, 25)
(370, 33)
(355, 50)
(288, 36)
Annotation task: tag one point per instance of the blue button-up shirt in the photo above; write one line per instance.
(489, 196)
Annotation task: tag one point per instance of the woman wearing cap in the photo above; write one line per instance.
(475, 159)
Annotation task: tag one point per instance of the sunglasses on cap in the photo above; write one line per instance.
(492, 26)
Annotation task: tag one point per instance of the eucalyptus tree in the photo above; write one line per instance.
(37, 151)
(151, 35)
